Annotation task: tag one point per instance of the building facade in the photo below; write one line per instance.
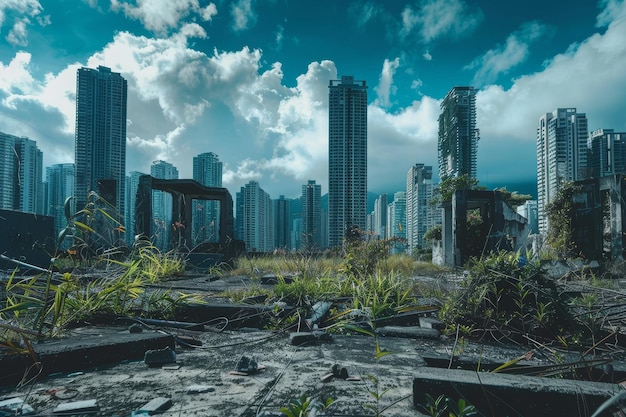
(21, 175)
(311, 236)
(561, 155)
(282, 223)
(132, 184)
(60, 186)
(100, 141)
(420, 215)
(458, 135)
(347, 153)
(606, 153)
(162, 205)
(207, 170)
(255, 220)
(379, 217)
(396, 222)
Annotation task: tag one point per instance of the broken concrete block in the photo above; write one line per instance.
(414, 332)
(77, 407)
(247, 365)
(199, 389)
(156, 405)
(159, 357)
(301, 338)
(431, 323)
(15, 407)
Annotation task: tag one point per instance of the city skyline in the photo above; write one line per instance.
(248, 80)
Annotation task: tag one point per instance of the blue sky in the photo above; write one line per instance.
(248, 79)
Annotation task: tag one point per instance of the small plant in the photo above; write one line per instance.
(305, 406)
(446, 407)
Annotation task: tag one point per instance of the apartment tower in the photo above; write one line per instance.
(162, 205)
(561, 155)
(458, 135)
(419, 219)
(311, 236)
(21, 171)
(606, 153)
(347, 153)
(207, 170)
(100, 142)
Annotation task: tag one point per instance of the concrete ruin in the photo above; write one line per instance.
(502, 228)
(183, 192)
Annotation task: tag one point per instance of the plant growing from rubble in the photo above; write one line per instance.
(306, 406)
(446, 407)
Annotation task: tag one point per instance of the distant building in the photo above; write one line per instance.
(255, 220)
(396, 221)
(347, 153)
(60, 186)
(458, 135)
(162, 205)
(379, 219)
(420, 216)
(282, 223)
(132, 184)
(21, 172)
(528, 210)
(606, 153)
(561, 155)
(311, 238)
(100, 145)
(207, 170)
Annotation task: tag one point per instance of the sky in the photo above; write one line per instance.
(248, 79)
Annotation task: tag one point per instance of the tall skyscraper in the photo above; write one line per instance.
(60, 179)
(606, 153)
(396, 221)
(419, 191)
(255, 220)
(311, 237)
(207, 170)
(561, 155)
(100, 148)
(132, 184)
(162, 205)
(21, 171)
(347, 153)
(282, 223)
(379, 219)
(458, 135)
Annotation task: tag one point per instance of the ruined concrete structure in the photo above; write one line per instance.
(598, 226)
(502, 227)
(183, 193)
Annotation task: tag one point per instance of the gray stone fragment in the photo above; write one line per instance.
(77, 407)
(156, 405)
(15, 407)
(431, 323)
(159, 357)
(414, 332)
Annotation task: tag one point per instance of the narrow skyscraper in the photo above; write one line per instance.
(207, 170)
(606, 153)
(311, 237)
(347, 154)
(162, 205)
(60, 179)
(419, 219)
(100, 147)
(21, 168)
(561, 155)
(458, 135)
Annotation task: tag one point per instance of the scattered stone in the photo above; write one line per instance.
(247, 365)
(135, 328)
(159, 357)
(302, 338)
(156, 405)
(77, 407)
(339, 372)
(320, 310)
(15, 407)
(171, 367)
(188, 341)
(327, 377)
(199, 389)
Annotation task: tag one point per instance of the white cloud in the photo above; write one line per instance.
(613, 11)
(385, 88)
(427, 56)
(364, 11)
(244, 17)
(440, 18)
(504, 57)
(161, 16)
(20, 12)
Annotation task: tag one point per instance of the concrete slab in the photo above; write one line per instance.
(495, 394)
(81, 351)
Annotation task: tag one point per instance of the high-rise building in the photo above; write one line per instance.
(379, 218)
(207, 170)
(311, 238)
(162, 205)
(255, 220)
(60, 180)
(100, 146)
(419, 217)
(21, 171)
(396, 222)
(458, 135)
(561, 155)
(282, 223)
(347, 153)
(606, 153)
(132, 184)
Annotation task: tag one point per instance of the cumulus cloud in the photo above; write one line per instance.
(161, 16)
(20, 13)
(385, 88)
(502, 58)
(440, 18)
(244, 17)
